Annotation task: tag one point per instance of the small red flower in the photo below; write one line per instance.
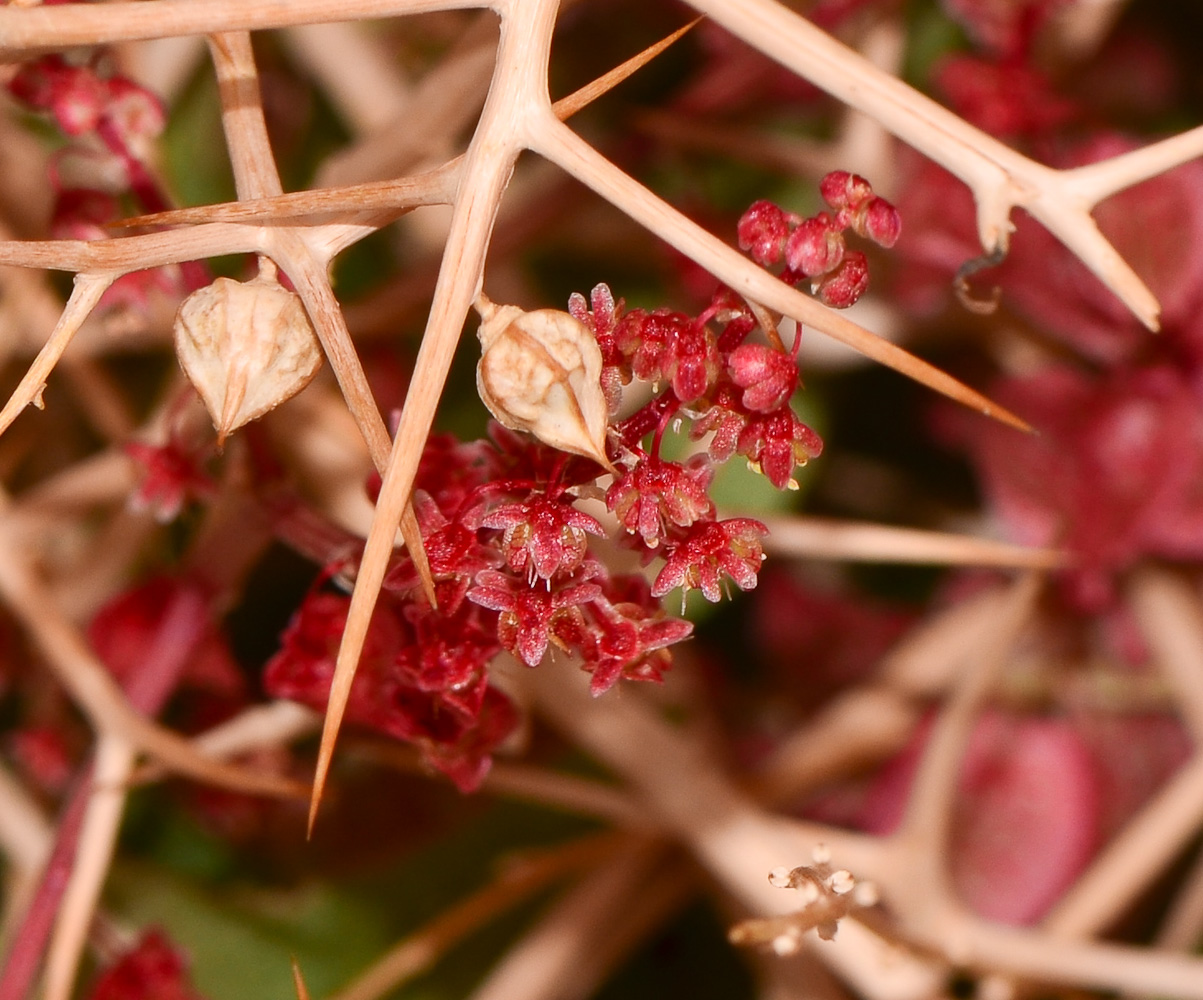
(643, 339)
(841, 189)
(74, 95)
(670, 346)
(601, 315)
(816, 246)
(767, 376)
(466, 759)
(454, 552)
(763, 230)
(133, 112)
(878, 221)
(777, 442)
(303, 667)
(530, 615)
(449, 652)
(693, 363)
(710, 549)
(774, 442)
(543, 537)
(726, 418)
(629, 638)
(450, 470)
(847, 283)
(603, 319)
(421, 679)
(655, 493)
(173, 476)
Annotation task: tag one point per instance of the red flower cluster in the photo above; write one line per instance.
(663, 505)
(111, 122)
(509, 550)
(815, 248)
(83, 102)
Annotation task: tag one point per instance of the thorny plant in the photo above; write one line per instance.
(497, 554)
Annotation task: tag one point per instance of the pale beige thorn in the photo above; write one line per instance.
(330, 326)
(411, 534)
(298, 980)
(488, 166)
(568, 106)
(84, 297)
(567, 150)
(402, 193)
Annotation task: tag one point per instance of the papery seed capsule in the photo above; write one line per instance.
(246, 347)
(541, 372)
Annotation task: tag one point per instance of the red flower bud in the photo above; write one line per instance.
(763, 230)
(880, 222)
(846, 285)
(135, 112)
(841, 189)
(815, 247)
(767, 376)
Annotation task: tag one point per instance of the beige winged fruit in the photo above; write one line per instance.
(540, 372)
(246, 347)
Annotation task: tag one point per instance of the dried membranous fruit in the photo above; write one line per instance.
(246, 347)
(541, 372)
